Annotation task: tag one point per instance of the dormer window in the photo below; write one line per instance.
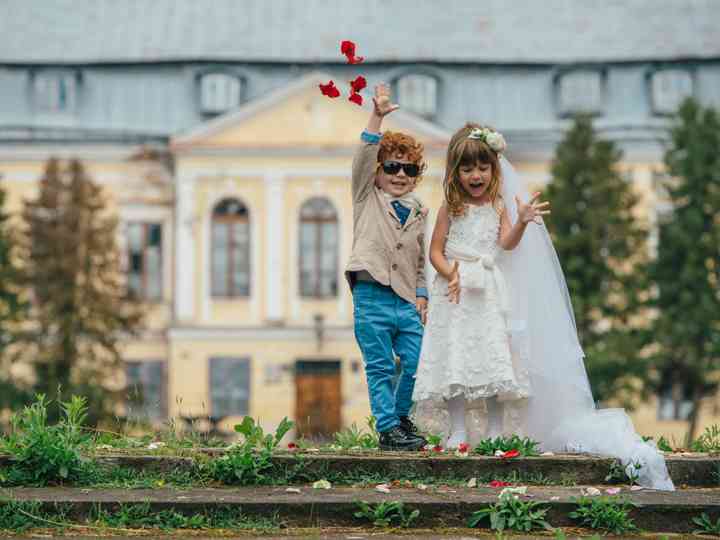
(580, 92)
(219, 92)
(55, 91)
(418, 94)
(668, 89)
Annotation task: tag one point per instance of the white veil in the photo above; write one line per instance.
(561, 412)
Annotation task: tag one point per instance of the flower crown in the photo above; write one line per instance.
(493, 139)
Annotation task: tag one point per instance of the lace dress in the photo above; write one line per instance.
(466, 347)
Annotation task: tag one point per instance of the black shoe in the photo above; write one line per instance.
(407, 425)
(396, 438)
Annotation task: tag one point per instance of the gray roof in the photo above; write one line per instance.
(497, 31)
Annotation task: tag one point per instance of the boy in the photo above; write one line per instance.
(386, 271)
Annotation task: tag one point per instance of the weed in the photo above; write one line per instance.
(525, 445)
(706, 525)
(383, 513)
(43, 454)
(709, 441)
(354, 437)
(511, 512)
(249, 461)
(621, 474)
(605, 513)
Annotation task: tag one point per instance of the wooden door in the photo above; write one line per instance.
(318, 398)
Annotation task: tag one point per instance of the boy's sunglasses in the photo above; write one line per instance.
(393, 167)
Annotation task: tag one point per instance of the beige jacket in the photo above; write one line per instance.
(392, 253)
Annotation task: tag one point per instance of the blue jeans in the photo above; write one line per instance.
(386, 326)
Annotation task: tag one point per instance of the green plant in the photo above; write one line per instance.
(525, 445)
(620, 473)
(14, 515)
(706, 525)
(433, 439)
(605, 513)
(709, 441)
(248, 461)
(511, 512)
(42, 453)
(383, 513)
(662, 443)
(354, 437)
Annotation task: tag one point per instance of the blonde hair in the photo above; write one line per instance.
(393, 143)
(463, 151)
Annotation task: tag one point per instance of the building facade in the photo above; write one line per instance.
(230, 172)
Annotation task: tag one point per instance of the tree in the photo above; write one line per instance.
(686, 271)
(13, 308)
(80, 307)
(601, 246)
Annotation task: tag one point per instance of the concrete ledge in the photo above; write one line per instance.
(439, 507)
(689, 470)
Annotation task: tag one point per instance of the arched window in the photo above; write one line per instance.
(318, 249)
(230, 249)
(418, 93)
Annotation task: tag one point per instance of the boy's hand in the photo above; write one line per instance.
(383, 104)
(421, 306)
(454, 285)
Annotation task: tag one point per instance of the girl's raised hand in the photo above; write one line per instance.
(532, 210)
(454, 285)
(383, 104)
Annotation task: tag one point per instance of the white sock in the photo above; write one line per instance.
(495, 411)
(458, 431)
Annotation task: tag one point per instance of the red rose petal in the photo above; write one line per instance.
(437, 448)
(463, 448)
(499, 483)
(292, 446)
(329, 90)
(356, 98)
(347, 48)
(510, 454)
(358, 84)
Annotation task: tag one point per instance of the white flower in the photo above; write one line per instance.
(322, 484)
(477, 134)
(512, 491)
(496, 141)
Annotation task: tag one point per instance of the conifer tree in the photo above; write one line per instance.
(13, 308)
(686, 272)
(601, 246)
(80, 307)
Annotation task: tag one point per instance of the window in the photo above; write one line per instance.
(145, 394)
(580, 92)
(418, 93)
(318, 249)
(674, 399)
(145, 260)
(55, 92)
(229, 386)
(219, 92)
(669, 87)
(230, 249)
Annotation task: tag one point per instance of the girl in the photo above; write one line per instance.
(466, 360)
(500, 341)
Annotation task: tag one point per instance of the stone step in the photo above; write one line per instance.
(685, 470)
(656, 511)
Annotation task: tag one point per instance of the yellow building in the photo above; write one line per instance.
(240, 249)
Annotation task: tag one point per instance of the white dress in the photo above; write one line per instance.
(466, 348)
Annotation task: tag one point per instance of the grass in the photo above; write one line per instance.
(19, 517)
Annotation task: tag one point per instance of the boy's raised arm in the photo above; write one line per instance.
(365, 161)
